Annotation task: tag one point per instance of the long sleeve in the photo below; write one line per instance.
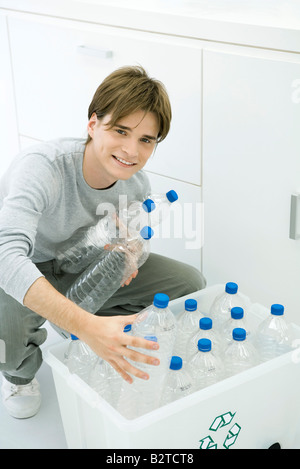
(31, 192)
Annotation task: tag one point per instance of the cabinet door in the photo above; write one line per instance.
(59, 64)
(251, 167)
(8, 123)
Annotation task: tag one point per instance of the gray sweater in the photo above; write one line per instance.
(44, 199)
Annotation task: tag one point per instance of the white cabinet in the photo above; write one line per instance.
(8, 122)
(58, 65)
(251, 167)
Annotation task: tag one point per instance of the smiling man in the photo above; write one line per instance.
(50, 191)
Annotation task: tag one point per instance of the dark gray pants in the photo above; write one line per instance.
(21, 329)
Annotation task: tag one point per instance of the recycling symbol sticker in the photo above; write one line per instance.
(219, 422)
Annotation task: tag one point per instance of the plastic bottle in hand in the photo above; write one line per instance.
(158, 320)
(161, 204)
(205, 331)
(79, 358)
(87, 243)
(187, 325)
(142, 396)
(237, 319)
(223, 303)
(107, 273)
(205, 367)
(178, 382)
(272, 337)
(240, 354)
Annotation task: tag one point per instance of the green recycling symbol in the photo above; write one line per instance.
(219, 422)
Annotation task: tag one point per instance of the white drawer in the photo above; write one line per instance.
(54, 82)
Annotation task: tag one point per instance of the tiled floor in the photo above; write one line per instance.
(44, 430)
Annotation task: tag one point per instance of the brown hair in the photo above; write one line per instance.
(127, 90)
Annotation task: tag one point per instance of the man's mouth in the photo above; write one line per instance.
(120, 160)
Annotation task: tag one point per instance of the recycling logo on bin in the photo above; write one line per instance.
(208, 442)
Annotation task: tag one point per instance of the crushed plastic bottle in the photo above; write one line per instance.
(104, 276)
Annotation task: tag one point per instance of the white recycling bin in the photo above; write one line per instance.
(252, 410)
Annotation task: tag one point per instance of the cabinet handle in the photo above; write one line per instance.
(295, 200)
(100, 53)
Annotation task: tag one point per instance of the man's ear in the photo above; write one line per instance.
(91, 124)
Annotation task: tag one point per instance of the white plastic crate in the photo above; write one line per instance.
(252, 410)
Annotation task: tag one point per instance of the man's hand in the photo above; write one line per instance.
(105, 336)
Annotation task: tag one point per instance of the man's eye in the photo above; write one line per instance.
(121, 132)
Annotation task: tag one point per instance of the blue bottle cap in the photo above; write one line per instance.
(204, 345)
(239, 334)
(176, 363)
(172, 196)
(277, 310)
(205, 323)
(73, 337)
(237, 312)
(151, 337)
(127, 328)
(161, 300)
(231, 288)
(190, 305)
(148, 205)
(146, 232)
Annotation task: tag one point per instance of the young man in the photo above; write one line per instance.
(49, 191)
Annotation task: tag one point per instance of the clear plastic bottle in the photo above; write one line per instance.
(205, 367)
(142, 396)
(205, 331)
(237, 319)
(162, 204)
(187, 325)
(104, 276)
(86, 244)
(158, 320)
(272, 336)
(79, 358)
(223, 303)
(106, 381)
(178, 383)
(240, 354)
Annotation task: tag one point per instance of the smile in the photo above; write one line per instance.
(123, 161)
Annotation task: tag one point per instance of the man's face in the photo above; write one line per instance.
(119, 152)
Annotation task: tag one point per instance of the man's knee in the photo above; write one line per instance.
(194, 280)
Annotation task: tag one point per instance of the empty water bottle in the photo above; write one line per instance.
(272, 336)
(107, 273)
(240, 354)
(178, 382)
(223, 303)
(187, 325)
(79, 358)
(106, 381)
(158, 320)
(142, 396)
(237, 319)
(205, 367)
(205, 331)
(86, 244)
